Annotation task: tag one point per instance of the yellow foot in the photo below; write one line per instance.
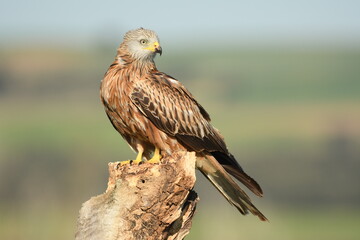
(122, 163)
(136, 161)
(156, 157)
(138, 158)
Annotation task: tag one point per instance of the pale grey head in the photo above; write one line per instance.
(141, 44)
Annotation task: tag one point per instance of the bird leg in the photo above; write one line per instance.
(156, 157)
(136, 161)
(138, 157)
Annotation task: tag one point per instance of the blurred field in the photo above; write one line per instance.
(291, 116)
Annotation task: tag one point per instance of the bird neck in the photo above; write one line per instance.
(143, 65)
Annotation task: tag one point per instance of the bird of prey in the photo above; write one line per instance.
(157, 116)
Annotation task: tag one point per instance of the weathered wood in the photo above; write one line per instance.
(146, 201)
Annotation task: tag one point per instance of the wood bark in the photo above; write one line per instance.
(145, 201)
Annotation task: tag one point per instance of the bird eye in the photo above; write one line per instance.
(143, 41)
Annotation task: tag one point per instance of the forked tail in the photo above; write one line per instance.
(217, 175)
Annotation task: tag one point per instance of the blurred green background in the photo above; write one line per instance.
(280, 80)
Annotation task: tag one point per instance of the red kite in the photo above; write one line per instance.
(157, 116)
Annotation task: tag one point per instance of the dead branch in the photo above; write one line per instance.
(146, 201)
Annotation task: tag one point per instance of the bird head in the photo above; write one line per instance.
(141, 44)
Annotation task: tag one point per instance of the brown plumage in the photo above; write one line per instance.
(152, 110)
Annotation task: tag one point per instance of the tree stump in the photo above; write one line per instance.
(145, 201)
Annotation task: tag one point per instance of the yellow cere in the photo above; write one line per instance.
(153, 46)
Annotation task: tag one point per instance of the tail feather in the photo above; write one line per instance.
(213, 171)
(232, 166)
(245, 179)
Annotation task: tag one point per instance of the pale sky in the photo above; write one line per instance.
(84, 21)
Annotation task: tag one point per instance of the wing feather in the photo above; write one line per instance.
(172, 109)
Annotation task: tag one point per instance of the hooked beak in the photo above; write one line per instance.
(157, 48)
